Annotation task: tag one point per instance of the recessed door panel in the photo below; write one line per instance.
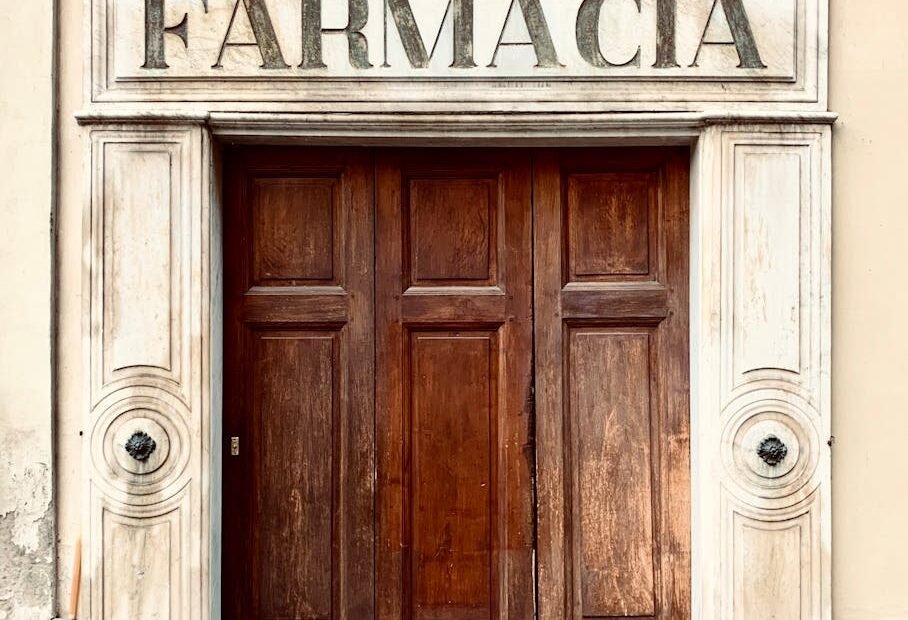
(452, 246)
(610, 419)
(295, 378)
(452, 447)
(610, 219)
(296, 232)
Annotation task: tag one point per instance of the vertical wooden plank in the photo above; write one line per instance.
(553, 519)
(673, 339)
(314, 488)
(238, 476)
(516, 394)
(357, 470)
(630, 277)
(481, 199)
(390, 560)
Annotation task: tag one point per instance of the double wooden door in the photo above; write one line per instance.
(456, 384)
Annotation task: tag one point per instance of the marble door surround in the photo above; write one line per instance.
(760, 345)
(751, 105)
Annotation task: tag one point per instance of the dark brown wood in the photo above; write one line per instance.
(453, 394)
(451, 305)
(674, 391)
(452, 448)
(469, 256)
(295, 376)
(315, 304)
(298, 391)
(611, 303)
(612, 433)
(609, 225)
(296, 230)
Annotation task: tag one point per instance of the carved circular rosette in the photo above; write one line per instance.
(771, 448)
(140, 445)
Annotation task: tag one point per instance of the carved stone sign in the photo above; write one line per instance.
(314, 49)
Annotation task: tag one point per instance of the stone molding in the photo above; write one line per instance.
(762, 350)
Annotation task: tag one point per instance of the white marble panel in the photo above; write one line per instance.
(140, 262)
(147, 387)
(772, 255)
(137, 256)
(761, 360)
(774, 568)
(767, 311)
(140, 558)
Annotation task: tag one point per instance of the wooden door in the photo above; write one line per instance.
(453, 390)
(298, 537)
(381, 384)
(611, 302)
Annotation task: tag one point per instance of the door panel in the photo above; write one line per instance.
(296, 233)
(298, 515)
(610, 221)
(452, 246)
(612, 438)
(452, 413)
(611, 413)
(454, 346)
(295, 376)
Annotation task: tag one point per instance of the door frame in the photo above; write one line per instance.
(761, 536)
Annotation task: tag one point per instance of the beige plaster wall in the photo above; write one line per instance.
(26, 198)
(869, 88)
